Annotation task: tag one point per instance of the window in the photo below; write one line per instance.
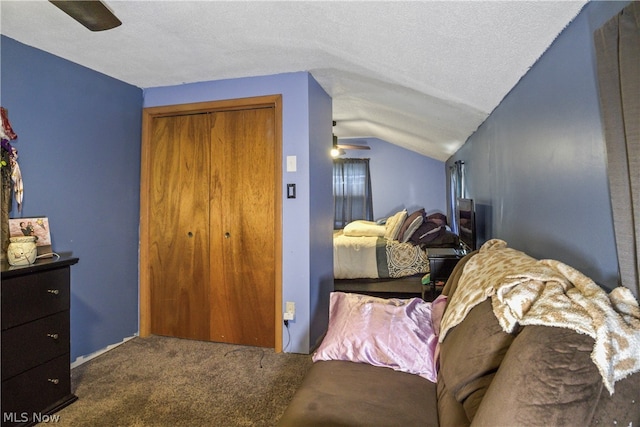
(351, 191)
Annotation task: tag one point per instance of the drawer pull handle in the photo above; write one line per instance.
(53, 291)
(53, 380)
(54, 336)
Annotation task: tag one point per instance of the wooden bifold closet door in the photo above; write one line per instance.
(212, 253)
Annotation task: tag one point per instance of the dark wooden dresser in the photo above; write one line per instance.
(35, 302)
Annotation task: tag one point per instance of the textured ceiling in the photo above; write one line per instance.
(421, 74)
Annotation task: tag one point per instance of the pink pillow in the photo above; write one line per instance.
(393, 333)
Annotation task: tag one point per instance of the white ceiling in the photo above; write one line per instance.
(420, 74)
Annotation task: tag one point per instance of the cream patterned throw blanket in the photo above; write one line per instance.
(526, 291)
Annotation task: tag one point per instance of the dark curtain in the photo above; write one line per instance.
(456, 189)
(618, 58)
(351, 191)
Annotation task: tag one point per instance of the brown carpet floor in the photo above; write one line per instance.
(162, 381)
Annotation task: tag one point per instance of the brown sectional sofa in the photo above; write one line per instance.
(537, 375)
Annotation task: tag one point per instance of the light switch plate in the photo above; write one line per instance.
(291, 163)
(291, 191)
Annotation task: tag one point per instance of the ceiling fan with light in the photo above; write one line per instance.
(339, 148)
(93, 14)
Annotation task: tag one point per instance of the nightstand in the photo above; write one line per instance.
(442, 261)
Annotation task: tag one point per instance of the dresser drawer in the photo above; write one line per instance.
(31, 344)
(38, 390)
(32, 296)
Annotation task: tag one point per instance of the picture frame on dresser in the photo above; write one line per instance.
(33, 226)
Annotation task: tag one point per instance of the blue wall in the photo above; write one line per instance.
(401, 178)
(79, 152)
(537, 165)
(321, 211)
(306, 134)
(79, 146)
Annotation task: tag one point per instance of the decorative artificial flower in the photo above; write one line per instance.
(9, 158)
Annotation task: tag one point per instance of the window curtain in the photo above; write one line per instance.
(618, 63)
(351, 191)
(456, 189)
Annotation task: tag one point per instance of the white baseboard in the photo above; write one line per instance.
(83, 359)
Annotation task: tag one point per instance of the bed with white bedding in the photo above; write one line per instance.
(370, 257)
(389, 256)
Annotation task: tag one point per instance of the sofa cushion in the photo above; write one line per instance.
(623, 408)
(340, 393)
(546, 378)
(470, 355)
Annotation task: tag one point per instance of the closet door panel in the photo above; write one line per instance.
(243, 227)
(179, 224)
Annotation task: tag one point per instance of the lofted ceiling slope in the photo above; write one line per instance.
(419, 74)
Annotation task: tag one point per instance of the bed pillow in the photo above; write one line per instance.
(410, 225)
(427, 232)
(393, 333)
(360, 228)
(411, 229)
(438, 218)
(393, 225)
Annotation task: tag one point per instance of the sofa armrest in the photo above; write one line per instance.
(341, 393)
(470, 355)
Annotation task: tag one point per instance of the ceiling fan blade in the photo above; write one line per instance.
(353, 147)
(92, 14)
